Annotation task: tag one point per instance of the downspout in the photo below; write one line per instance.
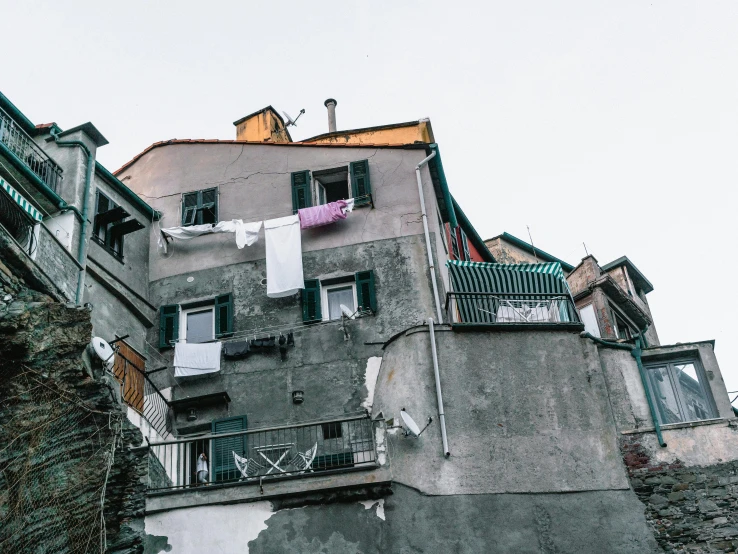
(431, 326)
(82, 248)
(635, 351)
(431, 265)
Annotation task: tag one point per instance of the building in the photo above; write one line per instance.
(420, 391)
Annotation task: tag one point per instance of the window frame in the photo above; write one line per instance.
(113, 244)
(185, 310)
(324, 289)
(199, 208)
(669, 364)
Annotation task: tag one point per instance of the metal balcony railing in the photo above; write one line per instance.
(493, 308)
(253, 457)
(18, 223)
(23, 146)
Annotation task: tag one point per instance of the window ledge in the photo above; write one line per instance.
(685, 425)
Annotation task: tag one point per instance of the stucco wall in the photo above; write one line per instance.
(525, 412)
(57, 262)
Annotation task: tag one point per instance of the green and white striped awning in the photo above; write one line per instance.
(21, 201)
(507, 278)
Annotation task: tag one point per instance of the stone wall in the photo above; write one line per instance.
(57, 263)
(690, 509)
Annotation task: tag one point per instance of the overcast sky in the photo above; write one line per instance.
(607, 123)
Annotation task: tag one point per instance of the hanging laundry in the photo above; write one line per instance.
(265, 342)
(196, 359)
(283, 256)
(236, 350)
(325, 213)
(246, 233)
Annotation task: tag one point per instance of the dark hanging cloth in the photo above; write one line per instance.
(265, 342)
(236, 350)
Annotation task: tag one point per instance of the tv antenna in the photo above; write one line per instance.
(292, 122)
(533, 246)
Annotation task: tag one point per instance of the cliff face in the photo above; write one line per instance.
(67, 480)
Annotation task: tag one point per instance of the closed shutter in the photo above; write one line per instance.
(311, 301)
(360, 184)
(223, 463)
(128, 368)
(223, 315)
(300, 190)
(189, 208)
(168, 325)
(465, 246)
(365, 294)
(208, 206)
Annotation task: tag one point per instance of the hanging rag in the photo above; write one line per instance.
(265, 342)
(236, 350)
(246, 233)
(323, 214)
(283, 256)
(196, 359)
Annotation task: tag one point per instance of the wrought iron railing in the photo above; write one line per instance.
(251, 457)
(18, 223)
(494, 308)
(23, 146)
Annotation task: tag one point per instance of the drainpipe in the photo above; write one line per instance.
(82, 249)
(635, 351)
(439, 396)
(431, 265)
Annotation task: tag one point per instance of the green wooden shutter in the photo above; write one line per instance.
(189, 208)
(223, 315)
(300, 191)
(223, 464)
(365, 291)
(311, 301)
(465, 246)
(168, 325)
(360, 184)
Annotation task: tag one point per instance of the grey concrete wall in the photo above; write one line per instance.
(329, 369)
(525, 412)
(408, 522)
(57, 262)
(254, 184)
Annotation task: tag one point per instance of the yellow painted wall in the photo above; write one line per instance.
(420, 132)
(262, 127)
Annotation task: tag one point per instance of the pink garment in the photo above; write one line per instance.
(322, 215)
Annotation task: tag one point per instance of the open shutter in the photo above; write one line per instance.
(311, 301)
(300, 190)
(223, 315)
(189, 208)
(365, 294)
(465, 246)
(208, 206)
(168, 325)
(360, 185)
(224, 465)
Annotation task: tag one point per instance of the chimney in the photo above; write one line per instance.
(331, 105)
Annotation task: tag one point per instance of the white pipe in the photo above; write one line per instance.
(431, 265)
(439, 396)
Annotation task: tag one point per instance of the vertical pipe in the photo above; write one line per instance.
(331, 105)
(636, 353)
(439, 395)
(431, 265)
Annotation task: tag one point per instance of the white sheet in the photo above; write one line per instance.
(283, 256)
(246, 233)
(196, 359)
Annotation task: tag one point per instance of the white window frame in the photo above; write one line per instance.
(324, 289)
(184, 312)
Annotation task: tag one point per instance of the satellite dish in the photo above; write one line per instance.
(411, 428)
(103, 350)
(291, 121)
(348, 313)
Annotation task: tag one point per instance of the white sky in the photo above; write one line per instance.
(608, 123)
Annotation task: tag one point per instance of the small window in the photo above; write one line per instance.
(335, 296)
(680, 391)
(332, 431)
(107, 214)
(200, 207)
(331, 185)
(454, 243)
(321, 301)
(465, 245)
(197, 324)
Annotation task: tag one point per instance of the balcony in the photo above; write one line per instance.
(259, 457)
(17, 222)
(29, 153)
(476, 308)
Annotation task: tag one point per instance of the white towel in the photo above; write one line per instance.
(246, 233)
(196, 359)
(283, 256)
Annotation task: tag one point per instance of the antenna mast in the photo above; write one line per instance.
(531, 244)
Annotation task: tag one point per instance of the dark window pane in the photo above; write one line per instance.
(332, 431)
(200, 326)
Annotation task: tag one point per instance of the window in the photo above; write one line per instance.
(200, 207)
(356, 293)
(454, 243)
(339, 183)
(202, 322)
(223, 463)
(107, 213)
(465, 245)
(680, 391)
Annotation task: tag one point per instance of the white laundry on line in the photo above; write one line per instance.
(196, 359)
(283, 256)
(246, 233)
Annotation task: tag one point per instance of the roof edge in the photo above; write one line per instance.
(364, 129)
(530, 249)
(624, 260)
(134, 198)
